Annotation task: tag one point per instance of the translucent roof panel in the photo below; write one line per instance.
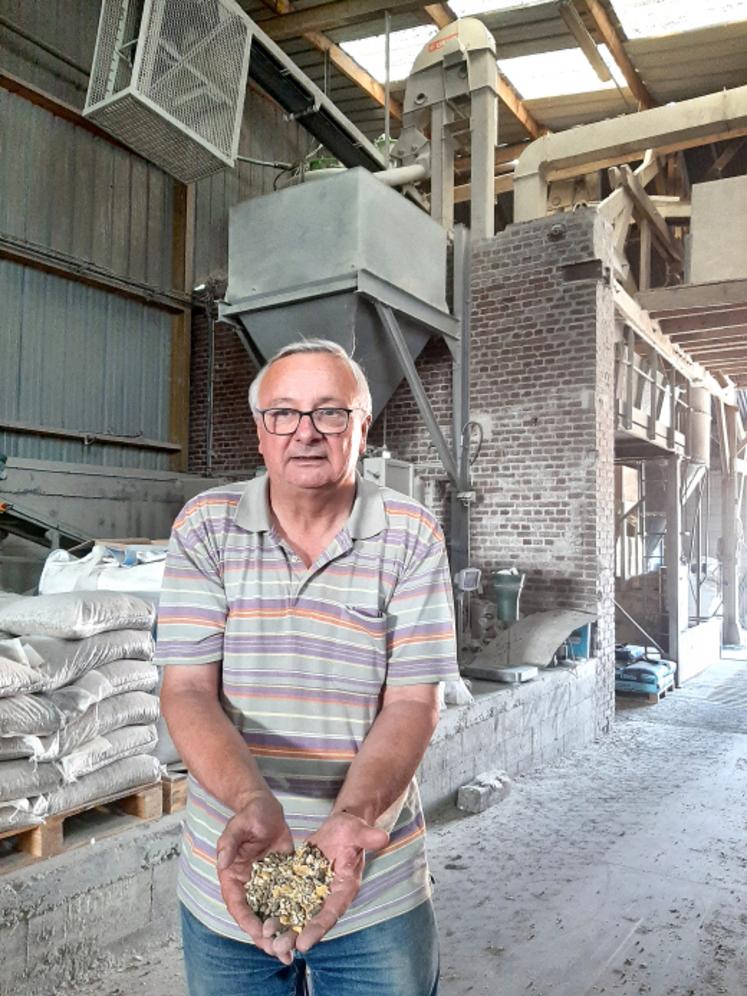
(653, 18)
(404, 47)
(466, 8)
(551, 74)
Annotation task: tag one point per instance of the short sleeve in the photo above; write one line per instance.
(192, 606)
(420, 619)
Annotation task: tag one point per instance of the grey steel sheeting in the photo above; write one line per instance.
(78, 358)
(66, 189)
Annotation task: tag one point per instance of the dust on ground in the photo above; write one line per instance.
(619, 869)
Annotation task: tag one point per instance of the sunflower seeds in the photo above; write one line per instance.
(291, 887)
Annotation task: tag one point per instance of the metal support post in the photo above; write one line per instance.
(484, 134)
(732, 634)
(461, 495)
(677, 580)
(391, 327)
(442, 165)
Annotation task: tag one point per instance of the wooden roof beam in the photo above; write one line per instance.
(341, 61)
(646, 210)
(614, 43)
(440, 13)
(337, 14)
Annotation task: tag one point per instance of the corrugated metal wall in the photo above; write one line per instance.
(68, 26)
(73, 357)
(65, 189)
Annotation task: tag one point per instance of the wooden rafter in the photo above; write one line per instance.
(614, 43)
(336, 14)
(721, 162)
(341, 61)
(440, 13)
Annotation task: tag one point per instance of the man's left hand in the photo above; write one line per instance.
(344, 840)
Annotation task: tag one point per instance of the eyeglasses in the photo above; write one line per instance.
(285, 421)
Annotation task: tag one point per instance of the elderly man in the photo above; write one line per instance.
(305, 621)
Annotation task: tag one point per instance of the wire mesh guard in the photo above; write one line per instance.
(169, 80)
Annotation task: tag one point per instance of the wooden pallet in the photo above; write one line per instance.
(111, 814)
(652, 697)
(174, 791)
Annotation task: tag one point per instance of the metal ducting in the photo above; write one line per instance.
(311, 260)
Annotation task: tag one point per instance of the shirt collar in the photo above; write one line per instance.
(367, 517)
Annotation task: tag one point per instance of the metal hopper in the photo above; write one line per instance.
(311, 260)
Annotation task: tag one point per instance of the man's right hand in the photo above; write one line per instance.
(258, 828)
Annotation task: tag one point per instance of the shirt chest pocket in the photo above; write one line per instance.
(362, 631)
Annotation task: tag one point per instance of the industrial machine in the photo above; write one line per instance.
(361, 264)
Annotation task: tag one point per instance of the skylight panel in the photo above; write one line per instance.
(653, 18)
(467, 8)
(404, 47)
(552, 74)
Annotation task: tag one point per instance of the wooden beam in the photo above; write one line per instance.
(706, 341)
(646, 209)
(350, 68)
(672, 207)
(695, 324)
(503, 183)
(695, 296)
(516, 105)
(505, 156)
(440, 13)
(722, 352)
(722, 161)
(570, 16)
(634, 315)
(337, 14)
(341, 61)
(614, 43)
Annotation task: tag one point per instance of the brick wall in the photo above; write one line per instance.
(542, 388)
(234, 448)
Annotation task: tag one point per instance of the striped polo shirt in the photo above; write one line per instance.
(305, 654)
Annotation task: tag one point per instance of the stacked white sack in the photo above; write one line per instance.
(77, 720)
(137, 569)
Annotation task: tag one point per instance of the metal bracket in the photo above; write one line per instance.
(391, 326)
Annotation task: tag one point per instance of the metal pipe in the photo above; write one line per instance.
(400, 175)
(263, 162)
(209, 312)
(387, 82)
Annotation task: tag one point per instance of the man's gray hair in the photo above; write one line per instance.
(314, 346)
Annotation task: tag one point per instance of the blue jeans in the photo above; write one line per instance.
(396, 958)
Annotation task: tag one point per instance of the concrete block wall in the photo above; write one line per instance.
(515, 728)
(62, 917)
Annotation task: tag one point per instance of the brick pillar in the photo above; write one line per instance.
(234, 449)
(542, 385)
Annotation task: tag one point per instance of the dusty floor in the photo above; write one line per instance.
(621, 869)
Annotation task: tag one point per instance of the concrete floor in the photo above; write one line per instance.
(621, 869)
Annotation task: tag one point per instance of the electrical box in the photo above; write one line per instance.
(399, 475)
